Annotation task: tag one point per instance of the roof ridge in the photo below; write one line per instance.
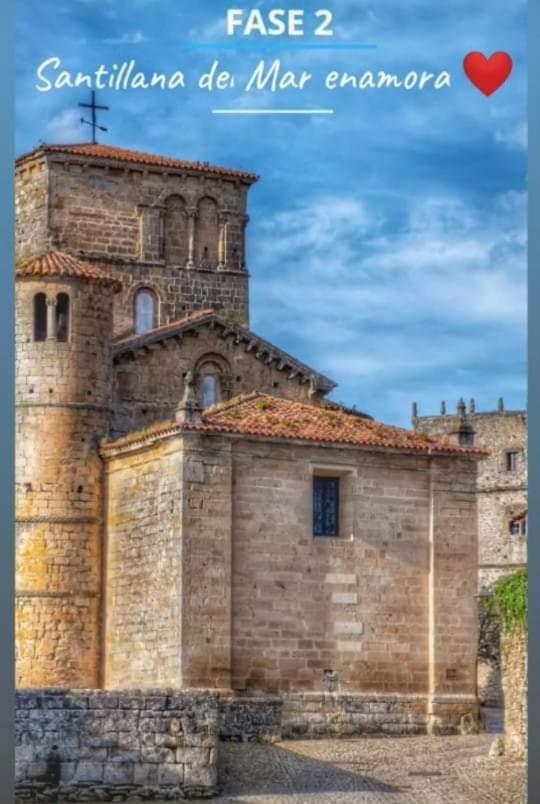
(105, 151)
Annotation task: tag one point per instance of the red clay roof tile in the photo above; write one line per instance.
(111, 152)
(266, 416)
(59, 264)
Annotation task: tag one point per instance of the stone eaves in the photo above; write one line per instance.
(261, 349)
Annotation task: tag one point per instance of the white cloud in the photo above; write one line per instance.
(133, 38)
(515, 135)
(65, 127)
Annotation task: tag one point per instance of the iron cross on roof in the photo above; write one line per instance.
(93, 106)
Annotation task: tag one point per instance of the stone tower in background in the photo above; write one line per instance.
(502, 480)
(63, 394)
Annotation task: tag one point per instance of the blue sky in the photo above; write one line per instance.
(387, 242)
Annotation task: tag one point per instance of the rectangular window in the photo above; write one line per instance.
(512, 461)
(518, 526)
(466, 439)
(326, 506)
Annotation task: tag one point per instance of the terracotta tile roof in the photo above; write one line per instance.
(111, 152)
(275, 417)
(59, 264)
(265, 416)
(261, 348)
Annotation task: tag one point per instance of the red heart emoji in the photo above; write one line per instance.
(487, 75)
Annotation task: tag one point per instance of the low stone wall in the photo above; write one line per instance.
(90, 744)
(514, 655)
(315, 715)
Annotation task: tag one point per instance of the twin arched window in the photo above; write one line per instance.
(53, 325)
(146, 311)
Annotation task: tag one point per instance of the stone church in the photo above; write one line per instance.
(192, 511)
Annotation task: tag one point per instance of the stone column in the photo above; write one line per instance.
(192, 217)
(223, 247)
(242, 260)
(51, 319)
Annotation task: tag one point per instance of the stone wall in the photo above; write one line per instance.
(85, 744)
(144, 569)
(32, 208)
(169, 534)
(123, 215)
(501, 493)
(313, 715)
(387, 608)
(63, 397)
(149, 385)
(514, 655)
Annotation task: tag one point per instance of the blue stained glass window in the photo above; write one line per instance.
(325, 506)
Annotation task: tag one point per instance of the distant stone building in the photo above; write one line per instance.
(502, 481)
(191, 511)
(502, 508)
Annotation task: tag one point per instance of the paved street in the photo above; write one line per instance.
(412, 770)
(406, 770)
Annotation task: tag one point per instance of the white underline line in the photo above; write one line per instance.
(272, 111)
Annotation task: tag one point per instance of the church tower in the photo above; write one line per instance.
(64, 313)
(174, 232)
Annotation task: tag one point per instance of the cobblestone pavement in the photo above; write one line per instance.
(410, 770)
(406, 770)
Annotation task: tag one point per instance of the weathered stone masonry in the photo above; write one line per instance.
(160, 544)
(63, 406)
(89, 743)
(266, 608)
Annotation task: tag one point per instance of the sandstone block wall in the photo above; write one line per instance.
(181, 234)
(94, 745)
(514, 655)
(143, 639)
(168, 534)
(32, 208)
(63, 406)
(388, 607)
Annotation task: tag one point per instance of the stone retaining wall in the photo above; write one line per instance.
(89, 744)
(317, 715)
(514, 655)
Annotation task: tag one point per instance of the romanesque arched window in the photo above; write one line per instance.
(213, 379)
(62, 317)
(207, 238)
(40, 317)
(176, 231)
(210, 388)
(146, 310)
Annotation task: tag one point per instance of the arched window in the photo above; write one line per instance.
(40, 317)
(210, 388)
(145, 311)
(62, 317)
